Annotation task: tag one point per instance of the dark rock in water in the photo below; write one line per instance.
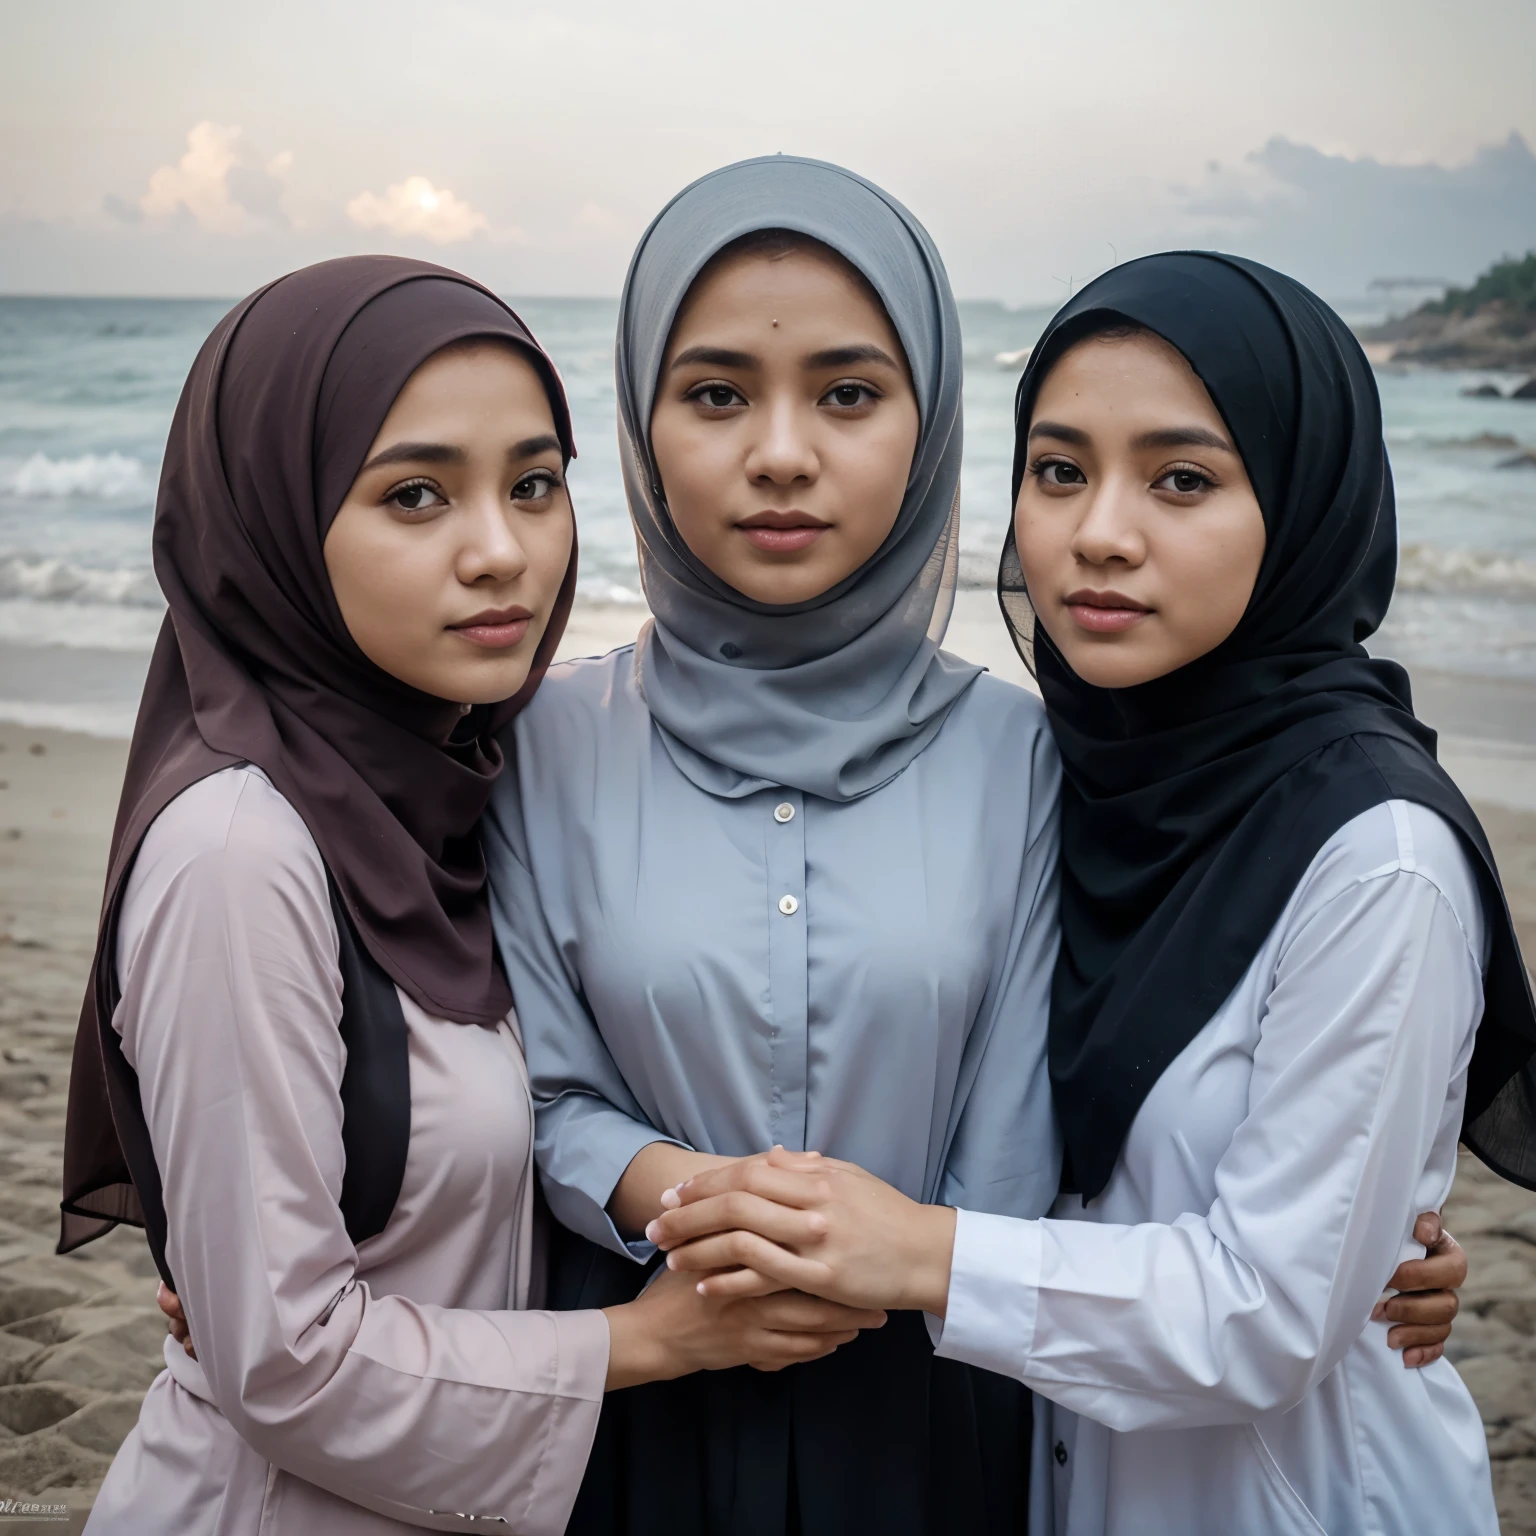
(1526, 460)
(1484, 392)
(1526, 391)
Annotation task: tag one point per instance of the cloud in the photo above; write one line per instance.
(414, 208)
(1341, 222)
(216, 184)
(594, 221)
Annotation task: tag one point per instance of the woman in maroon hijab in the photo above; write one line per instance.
(297, 1065)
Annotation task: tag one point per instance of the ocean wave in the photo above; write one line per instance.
(1428, 568)
(62, 581)
(105, 476)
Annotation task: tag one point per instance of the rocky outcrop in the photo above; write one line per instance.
(1490, 325)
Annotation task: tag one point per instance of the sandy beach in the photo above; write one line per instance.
(80, 1337)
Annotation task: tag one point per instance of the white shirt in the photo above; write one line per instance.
(1202, 1329)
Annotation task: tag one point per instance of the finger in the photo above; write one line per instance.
(741, 1285)
(746, 1250)
(795, 1312)
(1431, 1308)
(169, 1303)
(1414, 1359)
(1407, 1336)
(769, 1344)
(1444, 1268)
(737, 1211)
(798, 1189)
(742, 1250)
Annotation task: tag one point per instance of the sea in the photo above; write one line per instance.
(87, 388)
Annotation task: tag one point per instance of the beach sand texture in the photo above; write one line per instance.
(81, 1338)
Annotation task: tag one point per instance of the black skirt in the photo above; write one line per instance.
(880, 1436)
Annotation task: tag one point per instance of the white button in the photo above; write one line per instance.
(784, 811)
(788, 905)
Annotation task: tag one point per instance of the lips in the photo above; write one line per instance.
(497, 629)
(1104, 613)
(782, 533)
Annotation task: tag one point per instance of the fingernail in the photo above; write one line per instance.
(670, 1199)
(700, 1289)
(653, 1231)
(1378, 1312)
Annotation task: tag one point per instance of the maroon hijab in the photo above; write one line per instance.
(254, 664)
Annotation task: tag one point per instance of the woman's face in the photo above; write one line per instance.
(1138, 532)
(784, 424)
(450, 548)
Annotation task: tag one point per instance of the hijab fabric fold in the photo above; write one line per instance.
(1193, 805)
(836, 695)
(254, 663)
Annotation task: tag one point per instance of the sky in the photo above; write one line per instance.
(165, 147)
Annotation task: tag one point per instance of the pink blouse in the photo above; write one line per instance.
(339, 1390)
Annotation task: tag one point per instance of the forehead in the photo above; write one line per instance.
(806, 284)
(1139, 374)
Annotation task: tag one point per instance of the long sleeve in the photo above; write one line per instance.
(1220, 1317)
(1005, 1155)
(588, 1126)
(231, 997)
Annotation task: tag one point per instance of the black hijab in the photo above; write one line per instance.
(1192, 805)
(255, 664)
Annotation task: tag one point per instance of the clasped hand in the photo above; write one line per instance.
(787, 1220)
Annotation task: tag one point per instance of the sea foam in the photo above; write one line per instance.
(62, 581)
(1428, 568)
(104, 476)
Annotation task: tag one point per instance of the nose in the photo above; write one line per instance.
(1109, 531)
(783, 453)
(490, 551)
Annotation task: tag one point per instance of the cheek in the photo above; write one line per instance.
(387, 582)
(1042, 540)
(1208, 579)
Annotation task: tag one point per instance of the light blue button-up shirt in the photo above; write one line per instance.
(870, 978)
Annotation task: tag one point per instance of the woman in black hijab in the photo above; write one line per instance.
(1288, 977)
(297, 1065)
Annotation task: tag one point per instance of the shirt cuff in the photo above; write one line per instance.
(994, 1279)
(579, 1188)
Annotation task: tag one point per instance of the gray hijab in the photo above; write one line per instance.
(836, 695)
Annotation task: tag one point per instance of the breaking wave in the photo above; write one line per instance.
(105, 476)
(1428, 568)
(62, 581)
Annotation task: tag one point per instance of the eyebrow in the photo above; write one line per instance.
(846, 357)
(529, 446)
(417, 453)
(1061, 432)
(1182, 437)
(832, 357)
(447, 453)
(1163, 437)
(718, 357)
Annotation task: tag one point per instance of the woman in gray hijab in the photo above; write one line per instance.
(784, 872)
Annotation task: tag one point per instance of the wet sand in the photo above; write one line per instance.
(80, 1337)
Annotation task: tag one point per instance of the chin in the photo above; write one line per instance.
(1109, 666)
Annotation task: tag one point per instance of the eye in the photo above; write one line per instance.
(415, 496)
(850, 397)
(536, 486)
(716, 396)
(1184, 480)
(1058, 472)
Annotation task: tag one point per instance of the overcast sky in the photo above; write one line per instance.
(169, 147)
